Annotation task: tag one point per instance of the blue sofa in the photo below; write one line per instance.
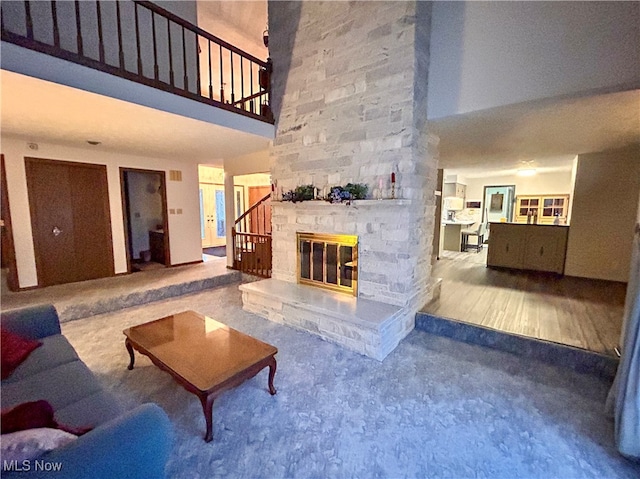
(133, 444)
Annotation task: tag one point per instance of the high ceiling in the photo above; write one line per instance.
(548, 133)
(34, 109)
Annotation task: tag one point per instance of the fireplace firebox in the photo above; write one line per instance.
(328, 261)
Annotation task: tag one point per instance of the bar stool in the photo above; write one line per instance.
(478, 232)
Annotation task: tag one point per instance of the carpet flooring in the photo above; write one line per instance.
(435, 408)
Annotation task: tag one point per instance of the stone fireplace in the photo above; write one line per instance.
(350, 103)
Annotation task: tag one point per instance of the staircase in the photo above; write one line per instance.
(251, 236)
(144, 43)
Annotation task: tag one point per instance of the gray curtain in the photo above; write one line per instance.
(624, 398)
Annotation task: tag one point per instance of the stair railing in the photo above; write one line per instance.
(251, 240)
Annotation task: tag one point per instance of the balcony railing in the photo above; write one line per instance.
(142, 42)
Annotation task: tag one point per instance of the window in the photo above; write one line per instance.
(546, 207)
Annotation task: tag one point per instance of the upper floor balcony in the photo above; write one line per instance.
(142, 42)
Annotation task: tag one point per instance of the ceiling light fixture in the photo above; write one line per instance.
(93, 142)
(526, 172)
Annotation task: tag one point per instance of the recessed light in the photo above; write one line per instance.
(527, 172)
(93, 142)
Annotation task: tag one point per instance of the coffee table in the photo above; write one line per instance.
(205, 356)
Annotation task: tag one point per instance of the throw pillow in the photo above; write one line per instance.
(32, 443)
(14, 349)
(29, 415)
(34, 414)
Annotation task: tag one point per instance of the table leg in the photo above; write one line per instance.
(207, 407)
(127, 343)
(272, 373)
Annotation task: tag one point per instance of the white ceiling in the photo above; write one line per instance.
(548, 133)
(38, 110)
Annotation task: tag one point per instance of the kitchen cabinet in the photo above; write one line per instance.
(454, 189)
(531, 247)
(545, 207)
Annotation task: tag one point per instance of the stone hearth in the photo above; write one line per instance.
(365, 326)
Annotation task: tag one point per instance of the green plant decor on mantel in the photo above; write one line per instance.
(337, 194)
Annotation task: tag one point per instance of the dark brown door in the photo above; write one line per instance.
(260, 218)
(70, 220)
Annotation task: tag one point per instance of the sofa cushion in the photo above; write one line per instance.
(60, 386)
(90, 411)
(55, 350)
(14, 350)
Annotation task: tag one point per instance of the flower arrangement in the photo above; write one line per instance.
(337, 194)
(351, 191)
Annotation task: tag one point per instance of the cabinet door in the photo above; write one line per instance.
(545, 252)
(506, 248)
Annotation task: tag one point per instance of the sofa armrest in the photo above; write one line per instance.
(34, 322)
(134, 445)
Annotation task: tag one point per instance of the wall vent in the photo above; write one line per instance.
(175, 175)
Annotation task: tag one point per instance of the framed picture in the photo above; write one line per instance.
(496, 202)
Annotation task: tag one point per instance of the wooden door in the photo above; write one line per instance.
(260, 218)
(70, 220)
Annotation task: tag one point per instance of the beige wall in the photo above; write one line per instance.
(604, 213)
(558, 182)
(184, 229)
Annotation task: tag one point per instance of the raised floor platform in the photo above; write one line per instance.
(87, 298)
(368, 327)
(577, 359)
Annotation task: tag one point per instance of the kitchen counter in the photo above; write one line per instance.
(452, 233)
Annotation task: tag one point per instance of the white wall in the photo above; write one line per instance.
(604, 214)
(184, 229)
(489, 54)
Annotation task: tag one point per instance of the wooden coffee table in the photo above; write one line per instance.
(204, 356)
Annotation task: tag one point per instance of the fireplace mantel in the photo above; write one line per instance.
(356, 203)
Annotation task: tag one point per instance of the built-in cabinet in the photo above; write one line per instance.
(454, 189)
(531, 247)
(545, 208)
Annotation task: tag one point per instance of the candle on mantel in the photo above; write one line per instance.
(393, 177)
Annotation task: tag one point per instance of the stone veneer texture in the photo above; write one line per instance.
(350, 99)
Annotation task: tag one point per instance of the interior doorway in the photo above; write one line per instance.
(212, 215)
(144, 204)
(499, 202)
(70, 220)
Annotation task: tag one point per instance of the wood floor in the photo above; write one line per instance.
(574, 311)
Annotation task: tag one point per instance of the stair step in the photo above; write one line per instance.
(579, 360)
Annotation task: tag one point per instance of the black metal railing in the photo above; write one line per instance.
(142, 42)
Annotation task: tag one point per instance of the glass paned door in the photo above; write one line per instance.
(212, 215)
